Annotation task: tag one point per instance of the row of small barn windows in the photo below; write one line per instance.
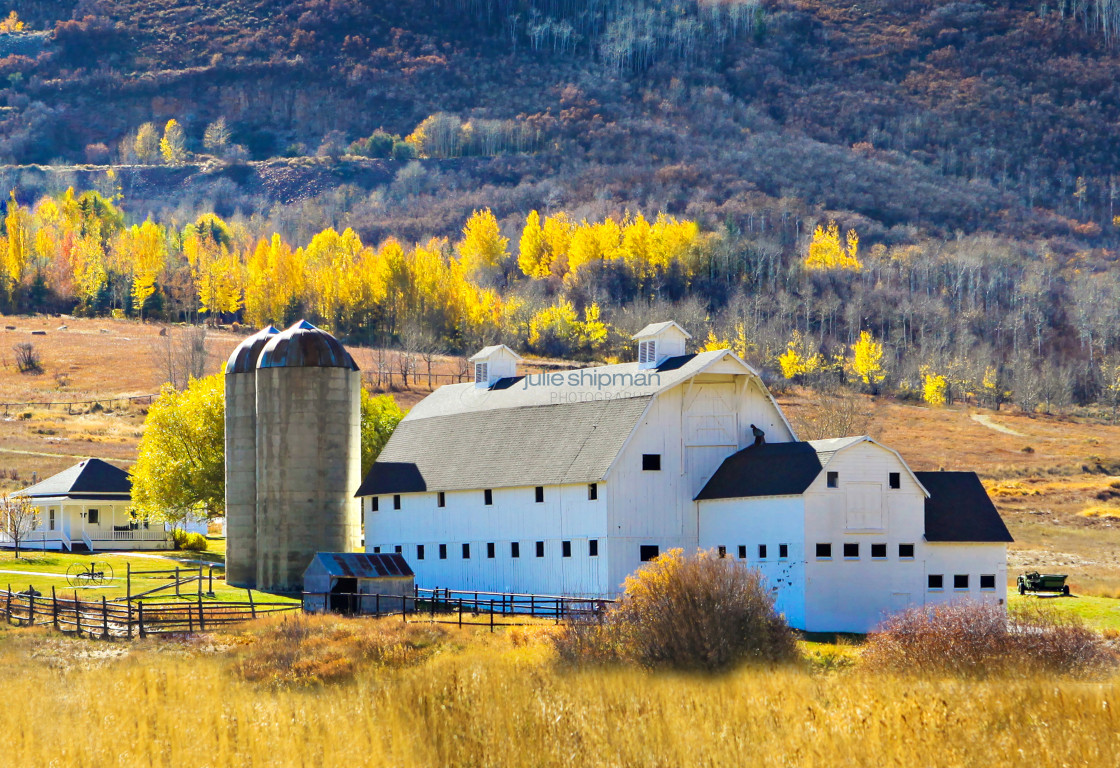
(936, 581)
(488, 497)
(491, 550)
(824, 551)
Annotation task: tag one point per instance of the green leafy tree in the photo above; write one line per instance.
(380, 416)
(181, 467)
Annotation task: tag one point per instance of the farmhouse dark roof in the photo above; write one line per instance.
(244, 357)
(505, 447)
(959, 509)
(305, 346)
(359, 565)
(90, 479)
(772, 469)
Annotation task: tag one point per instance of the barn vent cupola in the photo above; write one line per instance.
(493, 363)
(659, 341)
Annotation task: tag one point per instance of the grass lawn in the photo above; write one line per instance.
(1102, 613)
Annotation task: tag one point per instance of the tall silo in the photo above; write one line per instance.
(308, 454)
(241, 459)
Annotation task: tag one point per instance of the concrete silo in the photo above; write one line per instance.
(241, 459)
(308, 456)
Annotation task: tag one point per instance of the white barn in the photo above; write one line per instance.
(563, 483)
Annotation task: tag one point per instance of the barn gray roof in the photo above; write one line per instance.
(959, 509)
(90, 479)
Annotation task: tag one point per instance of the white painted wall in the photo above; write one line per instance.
(972, 560)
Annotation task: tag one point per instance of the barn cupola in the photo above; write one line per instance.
(658, 341)
(493, 363)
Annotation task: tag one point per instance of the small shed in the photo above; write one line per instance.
(357, 582)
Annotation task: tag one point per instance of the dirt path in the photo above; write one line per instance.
(986, 420)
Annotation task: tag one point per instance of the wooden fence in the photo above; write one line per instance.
(105, 402)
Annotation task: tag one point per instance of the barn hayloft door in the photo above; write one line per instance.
(710, 431)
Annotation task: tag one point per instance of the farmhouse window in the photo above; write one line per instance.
(481, 373)
(539, 493)
(851, 549)
(742, 551)
(540, 549)
(651, 462)
(783, 551)
(441, 499)
(936, 581)
(52, 520)
(879, 551)
(396, 501)
(987, 581)
(419, 551)
(592, 491)
(833, 479)
(377, 550)
(906, 551)
(398, 549)
(490, 551)
(824, 550)
(442, 551)
(373, 504)
(488, 497)
(94, 517)
(895, 480)
(593, 548)
(514, 549)
(761, 551)
(466, 551)
(648, 552)
(565, 549)
(960, 581)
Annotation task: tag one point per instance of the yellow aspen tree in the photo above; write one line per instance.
(11, 24)
(146, 145)
(17, 254)
(827, 252)
(173, 145)
(637, 246)
(482, 249)
(593, 332)
(866, 360)
(557, 233)
(935, 388)
(532, 251)
(88, 262)
(584, 249)
(146, 249)
(798, 360)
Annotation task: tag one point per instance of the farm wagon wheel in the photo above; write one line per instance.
(102, 573)
(78, 575)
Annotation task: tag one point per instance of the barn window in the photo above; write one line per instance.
(419, 551)
(987, 581)
(824, 550)
(851, 550)
(906, 551)
(442, 551)
(481, 373)
(783, 551)
(722, 551)
(592, 491)
(648, 552)
(396, 501)
(466, 551)
(742, 551)
(377, 550)
(879, 551)
(935, 581)
(651, 462)
(539, 493)
(441, 499)
(565, 549)
(490, 551)
(761, 551)
(373, 504)
(488, 497)
(833, 479)
(398, 549)
(593, 548)
(960, 581)
(895, 479)
(540, 549)
(514, 549)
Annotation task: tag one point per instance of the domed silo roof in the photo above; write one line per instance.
(244, 358)
(305, 346)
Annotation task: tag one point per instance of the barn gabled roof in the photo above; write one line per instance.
(959, 509)
(89, 479)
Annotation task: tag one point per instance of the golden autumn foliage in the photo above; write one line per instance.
(826, 251)
(935, 388)
(799, 360)
(866, 360)
(11, 23)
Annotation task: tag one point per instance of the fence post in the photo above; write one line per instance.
(491, 615)
(376, 604)
(129, 625)
(104, 618)
(200, 581)
(177, 582)
(140, 620)
(54, 608)
(404, 608)
(433, 606)
(201, 608)
(77, 614)
(210, 582)
(8, 607)
(30, 605)
(460, 611)
(128, 585)
(532, 605)
(252, 607)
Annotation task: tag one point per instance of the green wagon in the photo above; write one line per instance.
(1043, 582)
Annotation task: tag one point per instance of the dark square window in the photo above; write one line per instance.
(648, 552)
(987, 581)
(851, 550)
(960, 581)
(466, 551)
(94, 517)
(895, 479)
(377, 550)
(879, 551)
(824, 550)
(592, 491)
(783, 551)
(593, 548)
(373, 504)
(906, 550)
(935, 581)
(761, 551)
(539, 493)
(565, 549)
(742, 551)
(419, 551)
(441, 499)
(442, 551)
(488, 497)
(514, 549)
(490, 550)
(396, 501)
(398, 549)
(722, 551)
(833, 479)
(540, 549)
(651, 462)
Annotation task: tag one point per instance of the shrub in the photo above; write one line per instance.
(195, 542)
(981, 639)
(699, 612)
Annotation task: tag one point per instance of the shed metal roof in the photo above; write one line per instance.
(959, 509)
(89, 479)
(361, 565)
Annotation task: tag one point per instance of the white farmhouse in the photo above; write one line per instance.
(564, 483)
